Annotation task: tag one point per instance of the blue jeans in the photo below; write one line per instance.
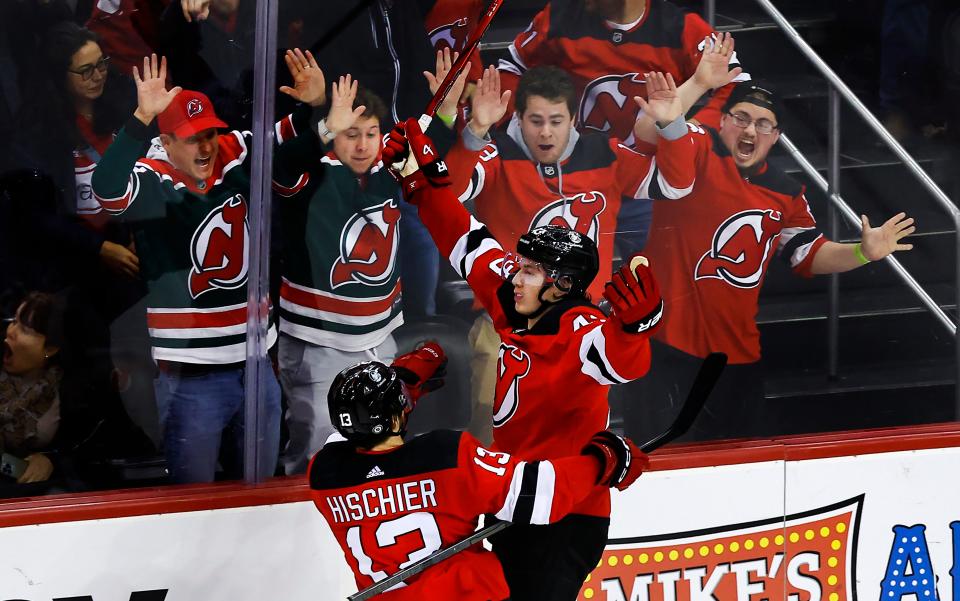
(419, 265)
(196, 412)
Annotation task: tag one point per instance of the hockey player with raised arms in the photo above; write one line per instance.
(558, 352)
(390, 503)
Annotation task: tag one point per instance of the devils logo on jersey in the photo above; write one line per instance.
(219, 249)
(607, 104)
(512, 365)
(368, 246)
(452, 35)
(580, 213)
(740, 248)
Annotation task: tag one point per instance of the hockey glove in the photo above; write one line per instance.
(621, 461)
(635, 296)
(423, 166)
(421, 370)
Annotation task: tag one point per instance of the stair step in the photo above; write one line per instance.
(892, 375)
(871, 302)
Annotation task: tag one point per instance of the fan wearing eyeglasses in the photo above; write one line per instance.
(711, 243)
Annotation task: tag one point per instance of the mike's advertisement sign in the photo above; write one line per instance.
(807, 556)
(878, 527)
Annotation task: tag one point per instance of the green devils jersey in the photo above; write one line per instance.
(192, 238)
(341, 285)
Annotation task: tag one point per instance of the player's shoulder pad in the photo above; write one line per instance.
(327, 463)
(559, 319)
(340, 464)
(580, 317)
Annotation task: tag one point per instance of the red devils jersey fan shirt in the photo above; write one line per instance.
(710, 246)
(389, 509)
(583, 192)
(608, 60)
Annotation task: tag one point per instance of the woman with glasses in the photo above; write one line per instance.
(78, 104)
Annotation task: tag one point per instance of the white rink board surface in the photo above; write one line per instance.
(853, 511)
(266, 553)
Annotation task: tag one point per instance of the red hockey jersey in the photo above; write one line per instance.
(451, 23)
(513, 194)
(551, 391)
(711, 243)
(390, 509)
(607, 61)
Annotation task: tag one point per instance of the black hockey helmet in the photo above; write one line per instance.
(363, 401)
(563, 253)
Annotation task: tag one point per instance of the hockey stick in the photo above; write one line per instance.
(707, 376)
(461, 62)
(445, 86)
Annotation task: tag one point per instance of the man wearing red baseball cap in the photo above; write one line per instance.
(186, 201)
(188, 132)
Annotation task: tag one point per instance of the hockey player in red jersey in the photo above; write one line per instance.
(558, 353)
(391, 503)
(714, 234)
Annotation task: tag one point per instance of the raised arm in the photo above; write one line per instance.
(876, 243)
(114, 178)
(470, 247)
(712, 72)
(447, 111)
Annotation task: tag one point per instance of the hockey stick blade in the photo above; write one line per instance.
(706, 378)
(427, 562)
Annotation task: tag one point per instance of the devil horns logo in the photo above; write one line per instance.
(607, 104)
(740, 248)
(368, 246)
(512, 366)
(194, 108)
(452, 35)
(580, 213)
(219, 249)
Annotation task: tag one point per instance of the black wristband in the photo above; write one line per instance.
(649, 322)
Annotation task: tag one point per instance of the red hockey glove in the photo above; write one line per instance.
(395, 148)
(423, 166)
(622, 461)
(422, 370)
(635, 296)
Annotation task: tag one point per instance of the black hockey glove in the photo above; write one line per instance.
(621, 461)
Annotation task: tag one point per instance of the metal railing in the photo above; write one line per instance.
(831, 185)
